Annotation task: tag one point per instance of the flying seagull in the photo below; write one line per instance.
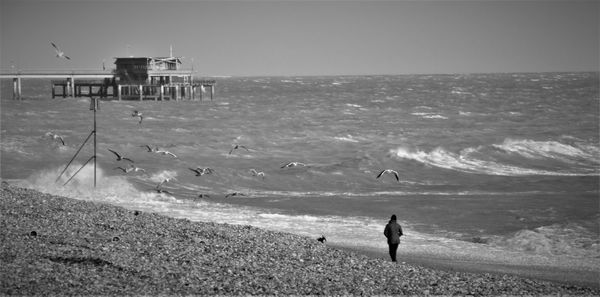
(293, 164)
(234, 194)
(237, 146)
(148, 148)
(119, 157)
(130, 169)
(55, 137)
(202, 171)
(166, 180)
(389, 171)
(257, 173)
(59, 53)
(159, 189)
(165, 153)
(137, 114)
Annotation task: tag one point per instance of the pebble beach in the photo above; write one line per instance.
(52, 245)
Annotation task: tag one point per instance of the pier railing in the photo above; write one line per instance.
(42, 73)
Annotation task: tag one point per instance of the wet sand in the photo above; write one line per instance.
(564, 275)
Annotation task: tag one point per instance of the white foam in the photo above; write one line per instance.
(549, 149)
(471, 160)
(347, 138)
(162, 175)
(429, 115)
(351, 231)
(554, 240)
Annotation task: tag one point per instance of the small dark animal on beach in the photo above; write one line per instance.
(59, 53)
(234, 194)
(203, 196)
(322, 239)
(394, 172)
(119, 157)
(293, 164)
(237, 146)
(137, 114)
(55, 137)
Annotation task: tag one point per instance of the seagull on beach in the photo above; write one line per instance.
(257, 173)
(59, 53)
(55, 137)
(137, 114)
(237, 146)
(293, 164)
(119, 157)
(389, 171)
(202, 171)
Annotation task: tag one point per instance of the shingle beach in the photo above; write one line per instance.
(53, 245)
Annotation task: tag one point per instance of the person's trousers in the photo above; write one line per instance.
(393, 249)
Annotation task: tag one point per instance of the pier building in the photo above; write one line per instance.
(134, 78)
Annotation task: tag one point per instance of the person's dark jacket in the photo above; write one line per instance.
(393, 231)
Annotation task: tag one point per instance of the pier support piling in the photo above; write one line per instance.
(17, 88)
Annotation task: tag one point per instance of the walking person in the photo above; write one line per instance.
(393, 231)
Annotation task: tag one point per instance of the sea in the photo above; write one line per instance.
(492, 168)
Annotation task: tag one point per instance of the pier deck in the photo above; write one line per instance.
(105, 84)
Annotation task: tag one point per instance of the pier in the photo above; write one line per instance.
(134, 78)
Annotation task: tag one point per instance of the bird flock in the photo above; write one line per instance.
(198, 171)
(201, 171)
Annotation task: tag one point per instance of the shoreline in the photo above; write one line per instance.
(57, 245)
(559, 275)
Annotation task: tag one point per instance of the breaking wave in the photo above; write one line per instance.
(571, 239)
(513, 157)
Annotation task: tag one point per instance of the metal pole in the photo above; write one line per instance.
(95, 105)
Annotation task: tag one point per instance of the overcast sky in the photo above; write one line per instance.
(263, 38)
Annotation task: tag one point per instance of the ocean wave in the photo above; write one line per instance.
(508, 158)
(550, 149)
(347, 138)
(570, 239)
(429, 115)
(163, 175)
(564, 241)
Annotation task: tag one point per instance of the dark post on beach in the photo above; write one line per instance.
(94, 105)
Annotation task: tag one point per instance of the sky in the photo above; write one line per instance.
(296, 38)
